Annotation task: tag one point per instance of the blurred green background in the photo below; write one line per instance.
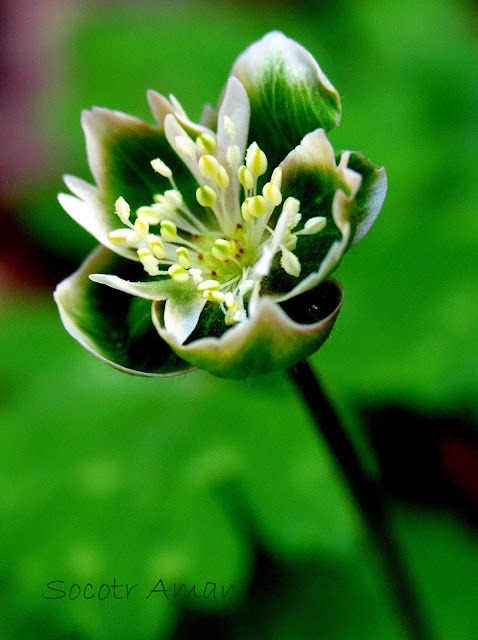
(194, 479)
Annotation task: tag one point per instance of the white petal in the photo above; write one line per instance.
(90, 215)
(314, 152)
(84, 190)
(181, 316)
(235, 105)
(263, 265)
(173, 129)
(161, 107)
(147, 290)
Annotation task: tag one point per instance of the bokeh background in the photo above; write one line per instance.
(193, 479)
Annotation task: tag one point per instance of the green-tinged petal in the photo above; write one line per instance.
(120, 149)
(209, 117)
(234, 105)
(273, 338)
(115, 327)
(289, 94)
(370, 196)
(183, 306)
(324, 189)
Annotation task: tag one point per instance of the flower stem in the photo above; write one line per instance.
(368, 496)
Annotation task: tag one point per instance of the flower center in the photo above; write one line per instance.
(219, 258)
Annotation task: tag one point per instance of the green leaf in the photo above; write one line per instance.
(288, 92)
(114, 326)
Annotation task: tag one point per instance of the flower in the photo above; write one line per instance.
(219, 238)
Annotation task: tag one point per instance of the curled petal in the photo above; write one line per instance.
(274, 337)
(115, 327)
(289, 93)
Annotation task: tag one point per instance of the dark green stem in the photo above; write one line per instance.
(368, 496)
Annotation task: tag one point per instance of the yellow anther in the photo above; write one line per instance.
(258, 206)
(313, 225)
(122, 237)
(162, 168)
(196, 275)
(178, 273)
(148, 261)
(183, 257)
(141, 228)
(245, 177)
(206, 196)
(229, 127)
(276, 177)
(206, 143)
(256, 160)
(208, 167)
(213, 296)
(272, 193)
(222, 178)
(149, 215)
(245, 210)
(123, 210)
(212, 285)
(169, 231)
(221, 249)
(186, 146)
(233, 155)
(156, 246)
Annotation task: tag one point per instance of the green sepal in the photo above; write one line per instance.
(288, 92)
(114, 326)
(273, 337)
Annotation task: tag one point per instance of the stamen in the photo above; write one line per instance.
(122, 237)
(156, 246)
(123, 211)
(276, 177)
(196, 275)
(208, 167)
(149, 262)
(162, 168)
(229, 127)
(245, 210)
(289, 262)
(212, 285)
(169, 231)
(214, 296)
(222, 178)
(272, 193)
(256, 160)
(206, 196)
(233, 155)
(221, 249)
(178, 273)
(245, 178)
(141, 228)
(313, 226)
(257, 206)
(149, 215)
(206, 143)
(183, 257)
